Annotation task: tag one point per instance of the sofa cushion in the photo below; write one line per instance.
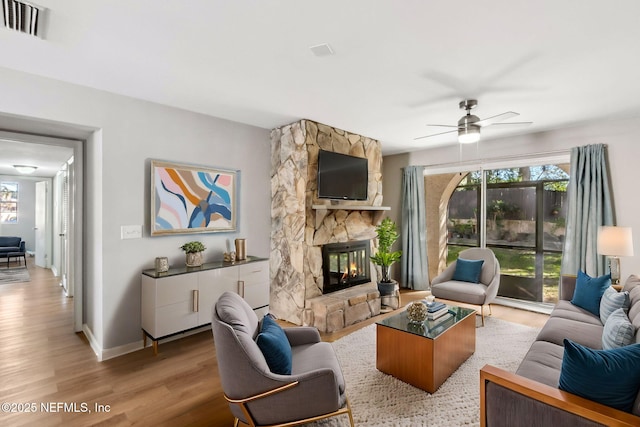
(566, 310)
(618, 331)
(460, 291)
(317, 356)
(10, 241)
(634, 308)
(610, 377)
(542, 363)
(468, 270)
(557, 329)
(275, 346)
(589, 291)
(9, 249)
(611, 301)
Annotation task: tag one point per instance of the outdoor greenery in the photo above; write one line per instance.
(384, 257)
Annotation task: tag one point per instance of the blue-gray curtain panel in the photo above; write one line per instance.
(589, 207)
(415, 271)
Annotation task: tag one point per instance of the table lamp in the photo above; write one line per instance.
(615, 242)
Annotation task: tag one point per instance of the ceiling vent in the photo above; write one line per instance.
(22, 16)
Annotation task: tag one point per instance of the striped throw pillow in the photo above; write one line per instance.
(611, 301)
(618, 331)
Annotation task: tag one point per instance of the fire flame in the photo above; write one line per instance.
(351, 272)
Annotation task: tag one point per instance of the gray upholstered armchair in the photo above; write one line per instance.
(314, 390)
(482, 293)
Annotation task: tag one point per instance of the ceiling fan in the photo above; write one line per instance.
(469, 125)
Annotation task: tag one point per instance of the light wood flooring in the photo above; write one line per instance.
(43, 361)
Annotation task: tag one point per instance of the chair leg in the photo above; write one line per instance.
(350, 414)
(482, 314)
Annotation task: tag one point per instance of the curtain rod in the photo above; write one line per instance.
(498, 159)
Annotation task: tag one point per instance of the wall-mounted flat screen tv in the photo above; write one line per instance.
(342, 177)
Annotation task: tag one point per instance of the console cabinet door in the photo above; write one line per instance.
(167, 304)
(211, 285)
(254, 285)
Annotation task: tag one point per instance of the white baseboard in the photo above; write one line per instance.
(109, 353)
(92, 341)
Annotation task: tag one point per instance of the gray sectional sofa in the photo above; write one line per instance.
(531, 396)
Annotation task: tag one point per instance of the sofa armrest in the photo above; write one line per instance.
(570, 406)
(22, 243)
(446, 275)
(301, 335)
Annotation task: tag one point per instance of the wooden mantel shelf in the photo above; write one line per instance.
(322, 210)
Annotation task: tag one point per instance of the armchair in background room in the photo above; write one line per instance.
(472, 279)
(261, 386)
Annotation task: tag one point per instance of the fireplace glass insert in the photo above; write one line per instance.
(345, 265)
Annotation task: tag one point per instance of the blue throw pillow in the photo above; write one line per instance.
(468, 270)
(618, 330)
(610, 377)
(611, 301)
(275, 347)
(589, 290)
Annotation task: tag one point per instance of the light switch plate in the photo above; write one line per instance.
(131, 232)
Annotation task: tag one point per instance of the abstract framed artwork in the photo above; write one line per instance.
(192, 199)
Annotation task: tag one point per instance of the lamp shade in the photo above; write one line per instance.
(615, 241)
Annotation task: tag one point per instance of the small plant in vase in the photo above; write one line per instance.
(193, 251)
(384, 257)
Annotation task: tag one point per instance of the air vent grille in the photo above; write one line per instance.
(22, 16)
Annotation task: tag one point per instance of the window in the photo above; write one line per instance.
(523, 223)
(8, 202)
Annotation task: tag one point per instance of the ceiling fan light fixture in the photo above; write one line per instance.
(469, 135)
(25, 169)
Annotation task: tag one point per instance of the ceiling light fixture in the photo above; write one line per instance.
(25, 169)
(469, 134)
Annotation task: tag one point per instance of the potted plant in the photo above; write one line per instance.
(384, 257)
(193, 251)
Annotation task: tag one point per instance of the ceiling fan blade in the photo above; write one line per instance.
(494, 119)
(444, 126)
(514, 123)
(434, 134)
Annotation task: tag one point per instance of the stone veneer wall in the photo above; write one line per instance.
(296, 256)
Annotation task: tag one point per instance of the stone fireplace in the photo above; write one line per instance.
(301, 224)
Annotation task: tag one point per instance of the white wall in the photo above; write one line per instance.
(620, 136)
(125, 134)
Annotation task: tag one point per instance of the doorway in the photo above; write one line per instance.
(50, 154)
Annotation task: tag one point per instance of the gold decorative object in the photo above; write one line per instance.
(241, 249)
(417, 312)
(162, 264)
(230, 257)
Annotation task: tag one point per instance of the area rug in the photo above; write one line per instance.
(378, 399)
(14, 275)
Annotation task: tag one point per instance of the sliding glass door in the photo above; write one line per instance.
(521, 218)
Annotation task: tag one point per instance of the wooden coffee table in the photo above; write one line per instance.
(426, 354)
